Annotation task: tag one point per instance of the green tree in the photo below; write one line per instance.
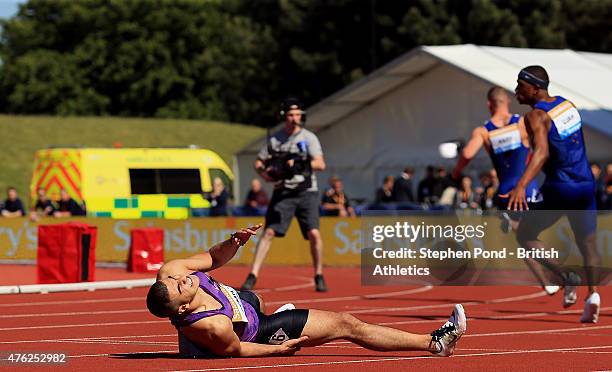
(186, 58)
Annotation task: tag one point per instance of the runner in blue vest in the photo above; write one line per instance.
(555, 127)
(506, 141)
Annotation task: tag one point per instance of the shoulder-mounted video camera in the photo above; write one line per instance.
(284, 165)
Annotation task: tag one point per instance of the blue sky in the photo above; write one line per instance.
(8, 8)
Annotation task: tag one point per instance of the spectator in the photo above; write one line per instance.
(443, 182)
(465, 197)
(335, 202)
(607, 199)
(428, 186)
(402, 189)
(486, 192)
(256, 200)
(385, 193)
(600, 185)
(218, 199)
(13, 207)
(43, 206)
(67, 207)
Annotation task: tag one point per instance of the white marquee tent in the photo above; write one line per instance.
(397, 116)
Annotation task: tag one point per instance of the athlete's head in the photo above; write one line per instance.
(292, 111)
(532, 84)
(498, 99)
(172, 295)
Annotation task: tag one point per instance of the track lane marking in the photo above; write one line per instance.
(393, 359)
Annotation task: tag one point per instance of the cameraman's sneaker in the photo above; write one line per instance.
(570, 281)
(591, 309)
(446, 337)
(249, 283)
(320, 285)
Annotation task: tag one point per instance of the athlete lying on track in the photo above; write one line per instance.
(212, 318)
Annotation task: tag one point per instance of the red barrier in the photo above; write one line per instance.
(66, 253)
(146, 250)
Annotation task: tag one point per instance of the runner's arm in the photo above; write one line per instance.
(216, 257)
(536, 125)
(469, 151)
(217, 335)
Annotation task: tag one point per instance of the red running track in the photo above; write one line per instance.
(509, 328)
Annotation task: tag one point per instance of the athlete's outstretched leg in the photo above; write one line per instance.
(325, 326)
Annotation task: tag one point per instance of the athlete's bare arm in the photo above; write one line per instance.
(536, 123)
(523, 132)
(317, 163)
(216, 257)
(216, 334)
(478, 139)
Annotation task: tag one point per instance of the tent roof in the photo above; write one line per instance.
(580, 76)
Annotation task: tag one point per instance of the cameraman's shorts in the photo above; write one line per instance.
(285, 204)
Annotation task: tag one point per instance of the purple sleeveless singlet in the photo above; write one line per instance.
(213, 288)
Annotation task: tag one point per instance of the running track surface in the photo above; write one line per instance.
(509, 328)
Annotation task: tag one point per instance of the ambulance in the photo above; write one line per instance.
(131, 183)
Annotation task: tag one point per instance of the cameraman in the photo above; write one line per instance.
(289, 159)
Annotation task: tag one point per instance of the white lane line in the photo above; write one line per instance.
(351, 298)
(339, 362)
(407, 308)
(95, 301)
(108, 342)
(331, 344)
(126, 299)
(144, 310)
(534, 332)
(138, 353)
(469, 303)
(84, 325)
(74, 313)
(88, 338)
(495, 317)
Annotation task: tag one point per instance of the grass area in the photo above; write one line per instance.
(21, 136)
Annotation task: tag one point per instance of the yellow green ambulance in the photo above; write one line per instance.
(131, 183)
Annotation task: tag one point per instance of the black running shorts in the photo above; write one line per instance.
(276, 328)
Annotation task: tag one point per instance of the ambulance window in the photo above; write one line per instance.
(143, 181)
(165, 181)
(214, 173)
(180, 181)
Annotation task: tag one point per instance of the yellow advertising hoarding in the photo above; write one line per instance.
(342, 238)
(182, 238)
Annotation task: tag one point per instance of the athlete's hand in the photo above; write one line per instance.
(243, 235)
(517, 199)
(291, 347)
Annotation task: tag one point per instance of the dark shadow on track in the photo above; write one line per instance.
(161, 355)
